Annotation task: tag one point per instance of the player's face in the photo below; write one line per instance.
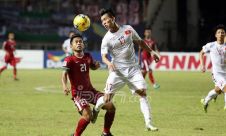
(147, 33)
(77, 44)
(107, 21)
(220, 34)
(11, 36)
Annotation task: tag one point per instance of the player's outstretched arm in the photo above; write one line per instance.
(64, 82)
(144, 46)
(201, 58)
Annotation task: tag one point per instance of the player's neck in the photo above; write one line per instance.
(78, 54)
(115, 28)
(220, 42)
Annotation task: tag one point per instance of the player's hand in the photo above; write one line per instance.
(111, 67)
(66, 91)
(203, 69)
(156, 58)
(97, 64)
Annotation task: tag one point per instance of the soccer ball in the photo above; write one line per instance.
(81, 22)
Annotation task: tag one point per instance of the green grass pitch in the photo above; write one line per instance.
(36, 106)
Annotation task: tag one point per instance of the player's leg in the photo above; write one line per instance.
(13, 63)
(3, 68)
(113, 83)
(211, 95)
(152, 79)
(146, 110)
(108, 118)
(137, 85)
(86, 112)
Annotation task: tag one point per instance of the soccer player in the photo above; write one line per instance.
(77, 69)
(123, 68)
(146, 59)
(9, 48)
(217, 50)
(66, 45)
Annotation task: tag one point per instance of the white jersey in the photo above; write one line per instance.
(120, 46)
(217, 55)
(66, 45)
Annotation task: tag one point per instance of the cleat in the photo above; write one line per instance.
(94, 116)
(205, 106)
(156, 86)
(151, 128)
(106, 134)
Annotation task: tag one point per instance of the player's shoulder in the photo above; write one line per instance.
(211, 44)
(87, 54)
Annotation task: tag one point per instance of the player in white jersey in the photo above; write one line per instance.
(217, 52)
(66, 45)
(123, 68)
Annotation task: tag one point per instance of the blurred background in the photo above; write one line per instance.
(178, 25)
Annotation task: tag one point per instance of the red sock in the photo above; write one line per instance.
(151, 77)
(108, 120)
(2, 69)
(14, 72)
(82, 124)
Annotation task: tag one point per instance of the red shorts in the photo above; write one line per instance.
(83, 98)
(10, 59)
(146, 64)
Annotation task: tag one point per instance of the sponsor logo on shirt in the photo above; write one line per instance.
(127, 32)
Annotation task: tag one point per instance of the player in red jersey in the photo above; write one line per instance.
(77, 70)
(146, 59)
(9, 47)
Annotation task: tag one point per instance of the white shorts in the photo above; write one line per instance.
(131, 76)
(219, 79)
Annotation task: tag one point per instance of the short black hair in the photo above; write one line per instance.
(147, 28)
(74, 36)
(220, 26)
(107, 11)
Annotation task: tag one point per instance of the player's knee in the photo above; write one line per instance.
(141, 93)
(217, 90)
(109, 107)
(87, 113)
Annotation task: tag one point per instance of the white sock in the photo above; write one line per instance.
(99, 104)
(146, 110)
(212, 94)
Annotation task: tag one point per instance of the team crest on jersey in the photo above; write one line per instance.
(80, 87)
(127, 32)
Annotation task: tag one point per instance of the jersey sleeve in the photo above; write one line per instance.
(206, 48)
(135, 35)
(66, 64)
(104, 46)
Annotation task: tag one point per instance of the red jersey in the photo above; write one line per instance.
(9, 47)
(78, 72)
(152, 44)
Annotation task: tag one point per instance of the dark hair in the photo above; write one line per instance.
(220, 26)
(147, 28)
(106, 11)
(74, 36)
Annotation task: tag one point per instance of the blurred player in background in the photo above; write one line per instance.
(123, 68)
(217, 50)
(145, 57)
(9, 48)
(77, 69)
(66, 45)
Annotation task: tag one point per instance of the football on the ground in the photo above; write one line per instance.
(81, 22)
